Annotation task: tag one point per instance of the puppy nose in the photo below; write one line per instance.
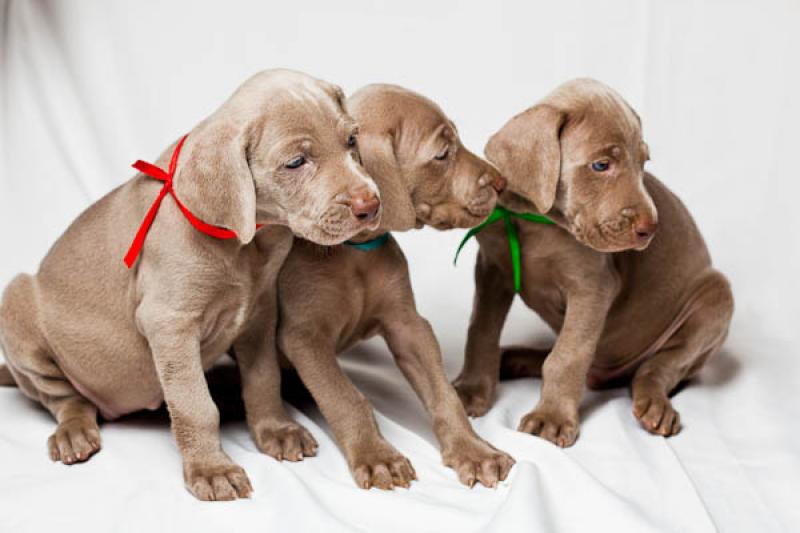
(365, 206)
(645, 228)
(499, 183)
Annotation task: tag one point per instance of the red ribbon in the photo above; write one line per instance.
(159, 174)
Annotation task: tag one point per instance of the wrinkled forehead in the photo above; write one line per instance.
(287, 106)
(297, 112)
(424, 122)
(599, 125)
(427, 114)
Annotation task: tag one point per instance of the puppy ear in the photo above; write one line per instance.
(527, 151)
(379, 159)
(214, 179)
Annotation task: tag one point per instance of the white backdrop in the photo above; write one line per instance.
(88, 87)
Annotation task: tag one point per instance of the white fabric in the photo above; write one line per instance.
(88, 87)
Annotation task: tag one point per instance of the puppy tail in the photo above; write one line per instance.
(6, 379)
(521, 362)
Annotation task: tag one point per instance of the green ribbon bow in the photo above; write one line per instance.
(371, 244)
(511, 232)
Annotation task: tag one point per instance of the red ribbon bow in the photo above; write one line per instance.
(159, 174)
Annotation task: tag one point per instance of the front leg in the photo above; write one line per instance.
(372, 460)
(208, 472)
(564, 371)
(411, 340)
(477, 382)
(273, 430)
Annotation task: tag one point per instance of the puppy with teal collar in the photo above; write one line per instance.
(333, 297)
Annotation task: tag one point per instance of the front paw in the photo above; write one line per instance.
(476, 460)
(217, 479)
(285, 440)
(476, 396)
(559, 426)
(381, 466)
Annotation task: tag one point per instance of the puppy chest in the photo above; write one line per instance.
(227, 317)
(547, 301)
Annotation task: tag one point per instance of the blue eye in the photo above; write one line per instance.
(351, 141)
(297, 162)
(600, 166)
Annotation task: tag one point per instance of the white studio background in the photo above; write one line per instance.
(90, 86)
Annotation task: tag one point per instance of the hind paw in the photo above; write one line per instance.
(74, 441)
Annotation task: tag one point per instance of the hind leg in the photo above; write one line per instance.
(522, 362)
(77, 436)
(684, 354)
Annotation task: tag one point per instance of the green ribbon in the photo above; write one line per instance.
(511, 232)
(371, 244)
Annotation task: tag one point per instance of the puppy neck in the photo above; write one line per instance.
(366, 236)
(514, 202)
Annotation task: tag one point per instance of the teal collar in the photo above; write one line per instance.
(371, 244)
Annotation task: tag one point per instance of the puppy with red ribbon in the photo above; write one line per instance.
(211, 223)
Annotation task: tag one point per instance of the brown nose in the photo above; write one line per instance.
(365, 206)
(499, 183)
(645, 228)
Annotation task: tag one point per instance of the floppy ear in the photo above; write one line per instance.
(213, 178)
(527, 151)
(379, 160)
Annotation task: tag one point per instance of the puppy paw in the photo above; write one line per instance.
(476, 397)
(477, 461)
(219, 480)
(559, 426)
(74, 441)
(382, 467)
(288, 441)
(656, 414)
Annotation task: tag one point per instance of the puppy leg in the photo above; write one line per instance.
(273, 430)
(34, 369)
(700, 336)
(411, 340)
(77, 436)
(564, 371)
(372, 460)
(477, 381)
(208, 472)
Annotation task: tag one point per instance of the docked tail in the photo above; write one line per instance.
(519, 362)
(6, 379)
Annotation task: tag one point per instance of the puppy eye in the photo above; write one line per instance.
(297, 162)
(351, 141)
(443, 155)
(600, 166)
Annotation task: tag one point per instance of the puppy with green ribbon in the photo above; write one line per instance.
(578, 243)
(332, 298)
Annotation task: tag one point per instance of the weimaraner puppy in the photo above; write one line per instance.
(628, 304)
(86, 333)
(332, 298)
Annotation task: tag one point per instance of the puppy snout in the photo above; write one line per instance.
(645, 228)
(365, 206)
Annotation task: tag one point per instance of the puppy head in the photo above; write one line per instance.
(580, 154)
(424, 173)
(281, 150)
